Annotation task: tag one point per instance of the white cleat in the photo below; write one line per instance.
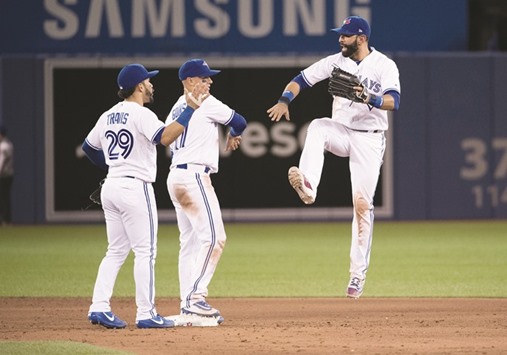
(201, 308)
(355, 288)
(299, 183)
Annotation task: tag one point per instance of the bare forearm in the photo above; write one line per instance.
(171, 132)
(388, 103)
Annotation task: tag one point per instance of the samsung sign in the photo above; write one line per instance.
(202, 18)
(223, 26)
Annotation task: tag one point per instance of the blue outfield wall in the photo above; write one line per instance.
(449, 138)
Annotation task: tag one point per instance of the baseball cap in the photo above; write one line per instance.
(354, 25)
(133, 74)
(195, 67)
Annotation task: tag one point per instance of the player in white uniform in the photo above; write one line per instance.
(195, 156)
(123, 142)
(355, 130)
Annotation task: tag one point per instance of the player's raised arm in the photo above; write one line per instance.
(281, 108)
(194, 99)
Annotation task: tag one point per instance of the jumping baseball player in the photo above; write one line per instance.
(355, 130)
(195, 156)
(123, 142)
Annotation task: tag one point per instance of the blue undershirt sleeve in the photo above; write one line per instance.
(95, 156)
(396, 97)
(300, 80)
(237, 124)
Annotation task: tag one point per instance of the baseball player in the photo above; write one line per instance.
(355, 130)
(123, 142)
(195, 156)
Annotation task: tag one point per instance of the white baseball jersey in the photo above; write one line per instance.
(199, 143)
(377, 73)
(125, 133)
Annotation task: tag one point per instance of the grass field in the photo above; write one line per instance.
(409, 259)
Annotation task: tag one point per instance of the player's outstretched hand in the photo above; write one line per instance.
(198, 94)
(278, 111)
(232, 142)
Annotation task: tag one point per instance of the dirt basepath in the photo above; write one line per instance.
(275, 325)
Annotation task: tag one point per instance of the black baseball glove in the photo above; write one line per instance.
(342, 83)
(95, 195)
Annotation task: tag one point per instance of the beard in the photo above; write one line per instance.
(149, 99)
(349, 50)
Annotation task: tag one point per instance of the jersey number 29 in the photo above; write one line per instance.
(120, 143)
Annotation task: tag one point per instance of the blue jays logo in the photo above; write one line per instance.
(371, 85)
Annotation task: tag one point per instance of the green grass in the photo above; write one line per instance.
(54, 348)
(409, 259)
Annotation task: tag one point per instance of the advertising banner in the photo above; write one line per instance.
(252, 181)
(228, 27)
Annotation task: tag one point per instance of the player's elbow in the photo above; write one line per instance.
(395, 100)
(237, 124)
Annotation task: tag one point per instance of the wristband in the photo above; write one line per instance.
(286, 97)
(185, 116)
(375, 101)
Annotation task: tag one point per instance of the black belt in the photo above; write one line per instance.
(206, 169)
(132, 177)
(367, 131)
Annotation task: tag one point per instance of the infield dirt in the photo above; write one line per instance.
(277, 325)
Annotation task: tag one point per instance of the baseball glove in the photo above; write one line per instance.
(95, 195)
(342, 83)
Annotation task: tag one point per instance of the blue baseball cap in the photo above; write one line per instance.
(354, 25)
(133, 74)
(195, 67)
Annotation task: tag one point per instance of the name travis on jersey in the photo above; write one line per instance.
(117, 118)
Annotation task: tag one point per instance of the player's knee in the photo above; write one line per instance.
(216, 253)
(319, 129)
(360, 204)
(316, 124)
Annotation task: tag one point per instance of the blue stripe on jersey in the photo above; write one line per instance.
(372, 217)
(91, 145)
(158, 135)
(302, 81)
(368, 250)
(183, 138)
(230, 118)
(213, 238)
(152, 248)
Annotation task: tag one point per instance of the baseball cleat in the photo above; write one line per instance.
(355, 288)
(106, 319)
(299, 183)
(201, 308)
(194, 320)
(155, 322)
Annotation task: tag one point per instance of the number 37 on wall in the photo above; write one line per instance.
(477, 166)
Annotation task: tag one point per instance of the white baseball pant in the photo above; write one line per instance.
(365, 151)
(132, 224)
(202, 232)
